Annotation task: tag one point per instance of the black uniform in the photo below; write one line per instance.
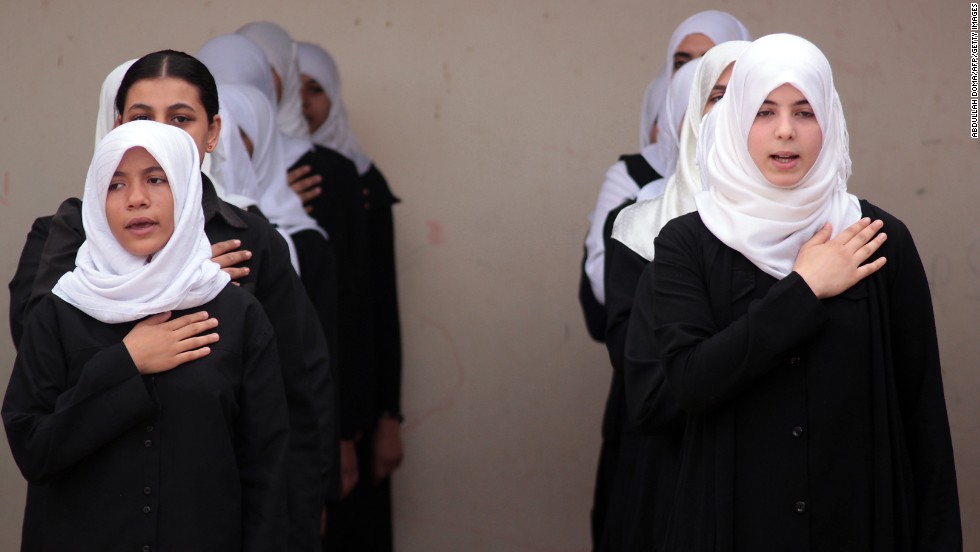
(187, 459)
(811, 424)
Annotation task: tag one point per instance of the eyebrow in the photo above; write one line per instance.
(720, 88)
(795, 104)
(139, 106)
(147, 170)
(678, 56)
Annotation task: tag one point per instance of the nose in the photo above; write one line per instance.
(137, 197)
(786, 128)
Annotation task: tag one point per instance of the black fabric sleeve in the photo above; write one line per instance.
(915, 355)
(22, 282)
(65, 236)
(707, 365)
(649, 402)
(52, 425)
(384, 297)
(262, 439)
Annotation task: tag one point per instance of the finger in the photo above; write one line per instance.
(868, 249)
(866, 270)
(297, 173)
(232, 258)
(187, 356)
(820, 237)
(865, 236)
(305, 184)
(236, 273)
(187, 319)
(220, 248)
(310, 194)
(196, 328)
(195, 343)
(852, 230)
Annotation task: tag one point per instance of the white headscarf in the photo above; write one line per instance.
(716, 25)
(619, 186)
(235, 59)
(257, 118)
(106, 119)
(638, 225)
(230, 169)
(112, 285)
(280, 51)
(662, 155)
(766, 223)
(335, 133)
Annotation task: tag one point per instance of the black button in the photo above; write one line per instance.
(149, 429)
(367, 204)
(367, 192)
(797, 431)
(146, 509)
(146, 548)
(800, 507)
(795, 361)
(147, 491)
(147, 443)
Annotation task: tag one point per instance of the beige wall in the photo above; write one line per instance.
(495, 122)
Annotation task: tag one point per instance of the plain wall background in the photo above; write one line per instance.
(495, 122)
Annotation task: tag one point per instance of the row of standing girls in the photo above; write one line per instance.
(159, 392)
(776, 383)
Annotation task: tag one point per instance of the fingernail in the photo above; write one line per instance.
(248, 254)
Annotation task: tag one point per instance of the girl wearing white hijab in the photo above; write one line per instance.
(382, 452)
(646, 457)
(684, 45)
(623, 181)
(807, 366)
(123, 351)
(280, 51)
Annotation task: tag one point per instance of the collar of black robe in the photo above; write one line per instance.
(214, 205)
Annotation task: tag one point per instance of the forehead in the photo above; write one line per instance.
(163, 92)
(695, 44)
(136, 158)
(785, 93)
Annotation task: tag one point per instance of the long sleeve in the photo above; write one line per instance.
(632, 344)
(616, 188)
(22, 282)
(707, 365)
(915, 355)
(262, 431)
(384, 296)
(52, 423)
(65, 236)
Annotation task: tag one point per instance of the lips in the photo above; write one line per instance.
(141, 225)
(785, 159)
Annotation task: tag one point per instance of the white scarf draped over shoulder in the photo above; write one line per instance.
(335, 133)
(638, 225)
(662, 155)
(765, 223)
(256, 117)
(717, 25)
(114, 286)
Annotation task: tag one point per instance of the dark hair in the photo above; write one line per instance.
(174, 64)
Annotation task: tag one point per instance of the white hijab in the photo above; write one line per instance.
(769, 224)
(112, 285)
(106, 119)
(716, 25)
(230, 169)
(335, 133)
(638, 225)
(256, 116)
(662, 155)
(280, 51)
